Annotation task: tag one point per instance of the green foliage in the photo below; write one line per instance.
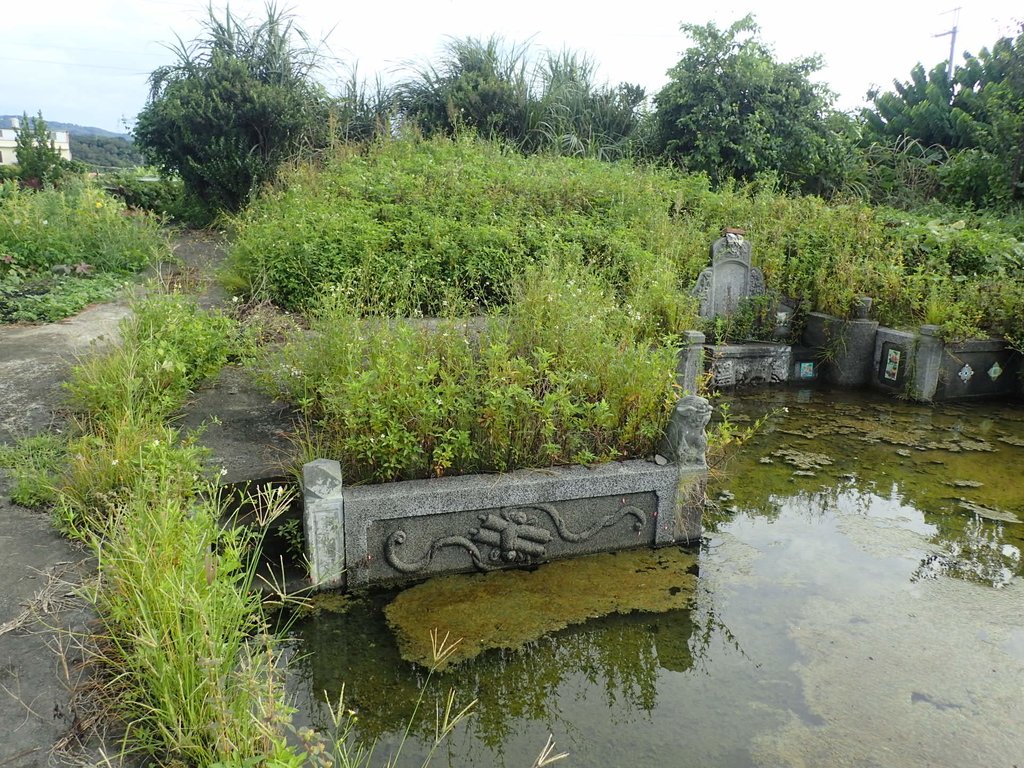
(145, 189)
(169, 345)
(362, 113)
(501, 92)
(104, 151)
(444, 227)
(975, 115)
(34, 464)
(438, 226)
(574, 116)
(39, 159)
(49, 298)
(732, 111)
(482, 85)
(902, 173)
(62, 249)
(239, 101)
(77, 226)
(752, 320)
(181, 639)
(566, 377)
(190, 669)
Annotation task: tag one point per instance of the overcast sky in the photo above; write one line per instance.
(86, 62)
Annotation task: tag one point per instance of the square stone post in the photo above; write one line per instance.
(323, 519)
(691, 362)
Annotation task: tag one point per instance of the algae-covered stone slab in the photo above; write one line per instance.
(996, 515)
(507, 609)
(803, 460)
(964, 483)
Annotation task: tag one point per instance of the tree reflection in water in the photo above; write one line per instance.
(619, 657)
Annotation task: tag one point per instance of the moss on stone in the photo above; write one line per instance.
(507, 609)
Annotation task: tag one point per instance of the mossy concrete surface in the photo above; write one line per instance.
(508, 609)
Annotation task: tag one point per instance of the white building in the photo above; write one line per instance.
(9, 141)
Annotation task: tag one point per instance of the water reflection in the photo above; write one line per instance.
(957, 466)
(617, 659)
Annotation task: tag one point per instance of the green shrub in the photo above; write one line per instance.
(146, 189)
(169, 345)
(566, 376)
(413, 227)
(78, 226)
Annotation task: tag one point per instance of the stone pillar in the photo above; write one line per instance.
(323, 519)
(691, 362)
(685, 444)
(927, 363)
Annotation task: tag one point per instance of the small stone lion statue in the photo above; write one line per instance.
(685, 439)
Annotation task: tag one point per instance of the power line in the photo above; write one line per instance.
(51, 47)
(76, 64)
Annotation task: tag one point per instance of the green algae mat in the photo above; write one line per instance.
(508, 609)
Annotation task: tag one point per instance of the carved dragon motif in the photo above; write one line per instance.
(513, 535)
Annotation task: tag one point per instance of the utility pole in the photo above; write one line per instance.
(952, 38)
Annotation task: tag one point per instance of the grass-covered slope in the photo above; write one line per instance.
(412, 227)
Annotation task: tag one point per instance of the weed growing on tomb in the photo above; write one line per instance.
(439, 227)
(565, 376)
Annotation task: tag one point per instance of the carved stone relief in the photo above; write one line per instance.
(511, 536)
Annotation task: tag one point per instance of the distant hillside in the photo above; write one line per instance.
(56, 125)
(93, 146)
(105, 151)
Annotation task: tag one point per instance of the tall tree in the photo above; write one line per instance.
(236, 103)
(39, 160)
(732, 111)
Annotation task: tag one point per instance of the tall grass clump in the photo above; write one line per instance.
(190, 667)
(187, 664)
(565, 376)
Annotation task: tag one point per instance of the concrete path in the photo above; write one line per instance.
(37, 566)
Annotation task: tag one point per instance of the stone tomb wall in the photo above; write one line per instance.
(388, 533)
(394, 532)
(923, 367)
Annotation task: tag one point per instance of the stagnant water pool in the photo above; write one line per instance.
(857, 600)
